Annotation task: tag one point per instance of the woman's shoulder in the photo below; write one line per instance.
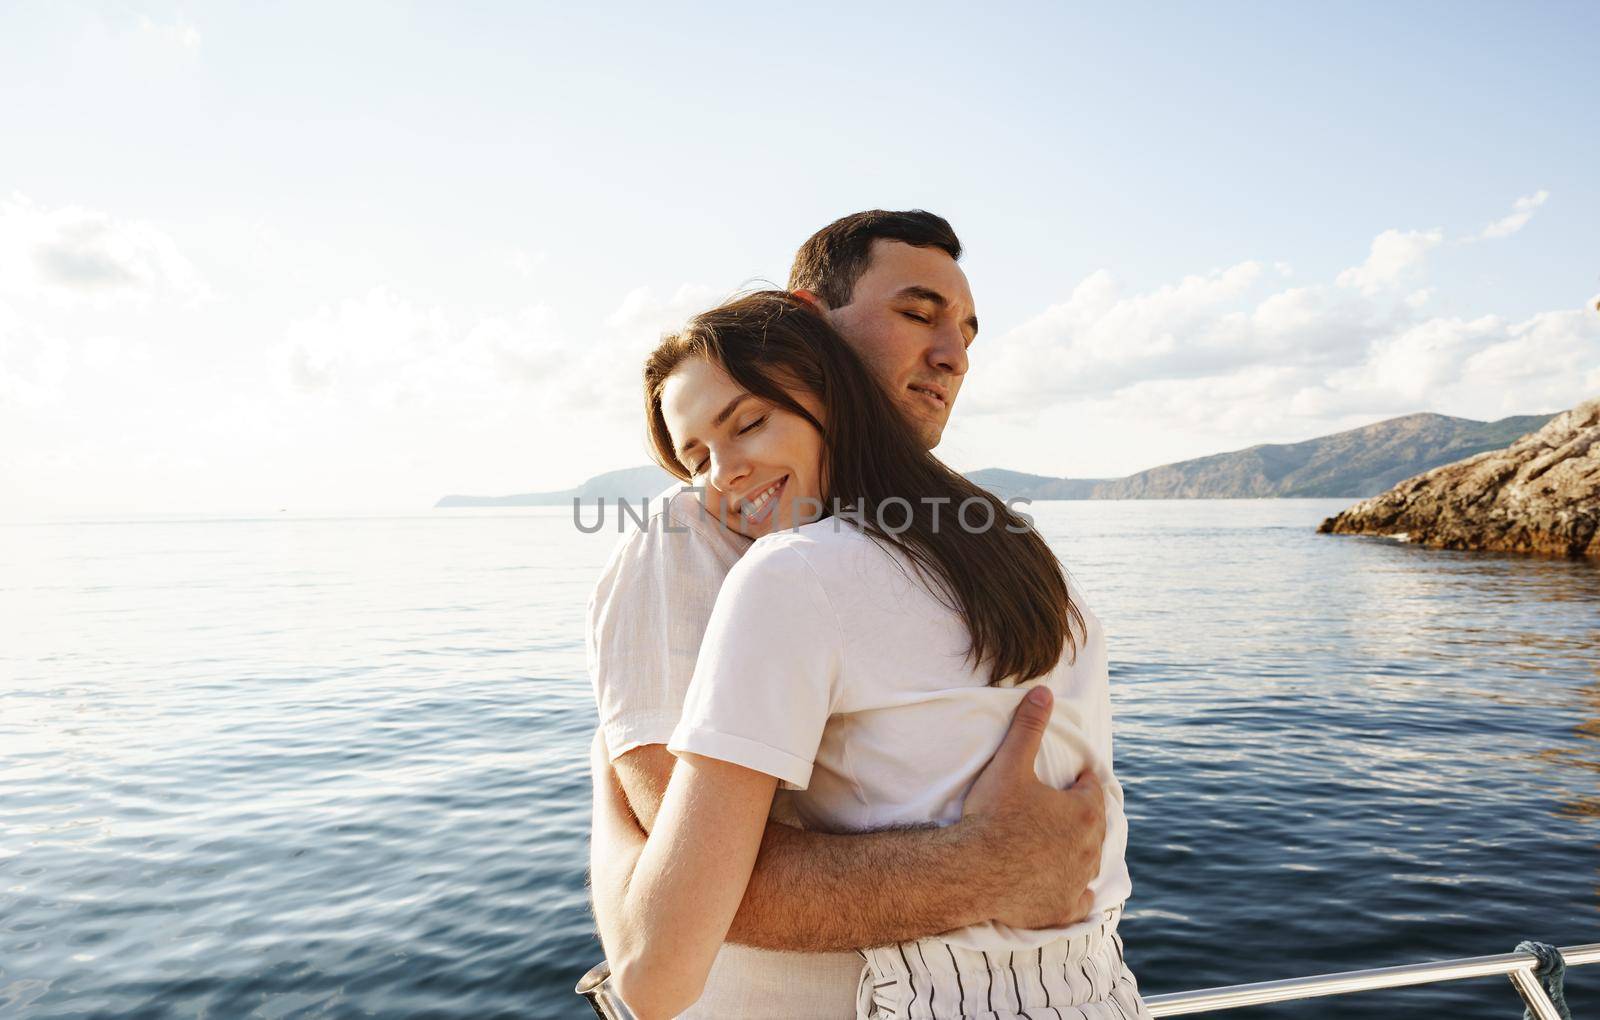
(781, 568)
(818, 542)
(824, 551)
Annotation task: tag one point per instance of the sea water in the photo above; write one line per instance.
(299, 767)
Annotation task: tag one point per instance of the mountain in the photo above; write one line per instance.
(632, 484)
(1541, 494)
(1360, 462)
(1008, 484)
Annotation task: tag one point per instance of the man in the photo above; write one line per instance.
(1022, 853)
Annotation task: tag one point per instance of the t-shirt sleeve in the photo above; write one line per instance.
(645, 621)
(768, 676)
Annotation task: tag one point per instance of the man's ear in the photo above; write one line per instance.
(813, 299)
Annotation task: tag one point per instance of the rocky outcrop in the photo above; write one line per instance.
(1541, 494)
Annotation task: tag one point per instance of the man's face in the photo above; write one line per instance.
(911, 318)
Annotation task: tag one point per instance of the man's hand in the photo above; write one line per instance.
(1048, 839)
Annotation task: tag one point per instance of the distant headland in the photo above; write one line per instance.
(1357, 463)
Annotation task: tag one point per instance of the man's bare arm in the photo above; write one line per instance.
(1022, 853)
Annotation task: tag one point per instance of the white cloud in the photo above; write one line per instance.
(400, 398)
(1521, 212)
(481, 400)
(526, 264)
(74, 253)
(1394, 256)
(180, 33)
(1485, 367)
(632, 330)
(1415, 362)
(1234, 358)
(642, 310)
(1548, 352)
(1100, 338)
(31, 371)
(384, 350)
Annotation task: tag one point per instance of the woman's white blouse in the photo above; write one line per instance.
(829, 664)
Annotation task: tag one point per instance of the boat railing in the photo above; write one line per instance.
(1520, 967)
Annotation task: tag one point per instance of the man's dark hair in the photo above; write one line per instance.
(833, 259)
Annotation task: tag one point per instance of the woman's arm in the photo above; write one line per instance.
(664, 903)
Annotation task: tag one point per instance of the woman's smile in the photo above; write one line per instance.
(758, 510)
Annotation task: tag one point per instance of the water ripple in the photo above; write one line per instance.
(337, 768)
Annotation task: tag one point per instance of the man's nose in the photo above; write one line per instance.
(949, 351)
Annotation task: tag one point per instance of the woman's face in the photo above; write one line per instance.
(761, 465)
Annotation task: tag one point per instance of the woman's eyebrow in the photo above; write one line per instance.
(722, 416)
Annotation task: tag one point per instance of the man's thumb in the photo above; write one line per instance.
(1021, 744)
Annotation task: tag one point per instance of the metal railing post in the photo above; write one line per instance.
(595, 986)
(1532, 992)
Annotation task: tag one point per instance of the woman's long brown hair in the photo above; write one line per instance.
(1007, 584)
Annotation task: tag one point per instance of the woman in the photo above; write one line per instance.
(869, 662)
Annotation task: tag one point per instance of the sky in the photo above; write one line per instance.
(352, 257)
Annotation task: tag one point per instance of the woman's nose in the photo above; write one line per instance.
(728, 472)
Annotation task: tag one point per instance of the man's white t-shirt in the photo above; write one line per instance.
(831, 665)
(646, 620)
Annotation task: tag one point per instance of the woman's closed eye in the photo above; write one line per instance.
(699, 469)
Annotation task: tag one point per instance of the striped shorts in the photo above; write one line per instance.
(1077, 978)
